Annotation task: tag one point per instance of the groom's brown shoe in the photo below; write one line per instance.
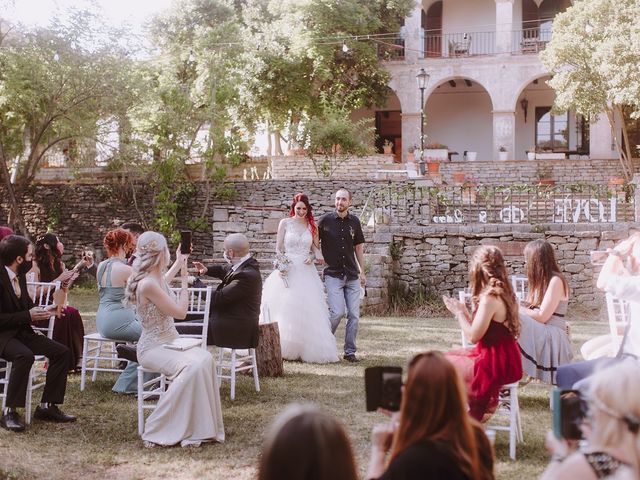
(53, 414)
(12, 422)
(351, 357)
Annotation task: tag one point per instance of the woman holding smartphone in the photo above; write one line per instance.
(434, 436)
(189, 411)
(68, 328)
(543, 340)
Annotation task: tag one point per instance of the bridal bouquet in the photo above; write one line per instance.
(282, 264)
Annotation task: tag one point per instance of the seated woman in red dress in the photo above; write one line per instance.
(493, 326)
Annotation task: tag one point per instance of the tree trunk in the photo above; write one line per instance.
(625, 139)
(624, 162)
(268, 352)
(278, 144)
(15, 219)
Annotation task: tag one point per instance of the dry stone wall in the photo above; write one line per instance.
(435, 256)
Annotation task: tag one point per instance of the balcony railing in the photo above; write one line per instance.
(526, 204)
(467, 44)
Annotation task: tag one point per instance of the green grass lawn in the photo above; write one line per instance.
(104, 443)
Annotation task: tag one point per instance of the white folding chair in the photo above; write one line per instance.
(238, 361)
(508, 405)
(618, 313)
(150, 391)
(41, 294)
(520, 285)
(99, 354)
(465, 298)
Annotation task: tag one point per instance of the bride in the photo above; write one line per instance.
(189, 411)
(295, 298)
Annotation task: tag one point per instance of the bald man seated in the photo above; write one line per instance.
(235, 306)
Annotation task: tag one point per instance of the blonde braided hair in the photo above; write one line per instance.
(151, 252)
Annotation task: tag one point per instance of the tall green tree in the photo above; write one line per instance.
(594, 60)
(57, 84)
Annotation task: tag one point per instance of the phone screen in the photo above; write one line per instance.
(185, 242)
(569, 410)
(383, 388)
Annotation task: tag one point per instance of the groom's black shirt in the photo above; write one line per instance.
(338, 238)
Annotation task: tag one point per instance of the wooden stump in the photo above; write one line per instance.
(268, 352)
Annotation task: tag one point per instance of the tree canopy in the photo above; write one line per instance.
(594, 60)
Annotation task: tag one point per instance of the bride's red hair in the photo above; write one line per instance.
(301, 197)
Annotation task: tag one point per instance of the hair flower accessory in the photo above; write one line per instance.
(151, 246)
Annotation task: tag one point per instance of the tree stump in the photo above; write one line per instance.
(268, 352)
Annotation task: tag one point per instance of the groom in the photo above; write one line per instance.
(342, 241)
(235, 305)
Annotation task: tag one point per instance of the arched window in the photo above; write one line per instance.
(432, 25)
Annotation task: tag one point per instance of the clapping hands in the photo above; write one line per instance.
(454, 306)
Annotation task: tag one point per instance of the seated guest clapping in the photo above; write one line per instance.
(19, 343)
(620, 276)
(235, 304)
(305, 443)
(611, 430)
(434, 436)
(494, 326)
(543, 340)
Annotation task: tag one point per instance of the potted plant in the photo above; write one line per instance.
(471, 156)
(387, 147)
(503, 153)
(545, 175)
(459, 177)
(531, 153)
(436, 151)
(411, 153)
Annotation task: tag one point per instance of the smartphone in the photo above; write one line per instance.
(185, 242)
(569, 411)
(383, 388)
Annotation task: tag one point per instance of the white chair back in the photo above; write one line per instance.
(42, 295)
(618, 313)
(199, 305)
(465, 297)
(520, 285)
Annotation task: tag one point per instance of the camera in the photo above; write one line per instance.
(569, 411)
(383, 388)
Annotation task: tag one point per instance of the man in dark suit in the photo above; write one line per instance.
(235, 306)
(19, 342)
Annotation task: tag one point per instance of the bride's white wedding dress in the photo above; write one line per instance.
(301, 309)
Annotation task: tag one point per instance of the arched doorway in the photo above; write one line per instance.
(458, 115)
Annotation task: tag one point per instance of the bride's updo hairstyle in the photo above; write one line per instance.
(301, 197)
(151, 252)
(488, 275)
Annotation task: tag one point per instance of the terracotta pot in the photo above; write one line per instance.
(546, 181)
(459, 177)
(433, 167)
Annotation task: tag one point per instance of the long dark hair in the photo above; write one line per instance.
(48, 258)
(434, 407)
(541, 268)
(305, 443)
(301, 197)
(488, 275)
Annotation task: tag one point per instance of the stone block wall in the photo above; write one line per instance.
(297, 167)
(435, 256)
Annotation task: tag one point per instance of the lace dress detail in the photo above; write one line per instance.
(189, 412)
(157, 328)
(603, 464)
(301, 309)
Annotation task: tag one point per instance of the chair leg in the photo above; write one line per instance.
(7, 374)
(27, 405)
(94, 375)
(83, 373)
(256, 380)
(513, 422)
(140, 402)
(233, 373)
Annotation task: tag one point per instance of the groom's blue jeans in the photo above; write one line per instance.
(342, 292)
